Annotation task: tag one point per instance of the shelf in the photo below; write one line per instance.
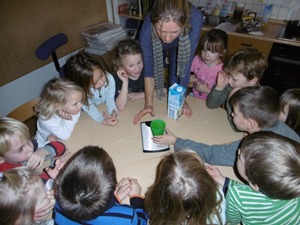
(131, 17)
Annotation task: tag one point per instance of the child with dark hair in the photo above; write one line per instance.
(98, 85)
(88, 193)
(207, 63)
(244, 68)
(128, 65)
(290, 108)
(184, 193)
(270, 163)
(255, 108)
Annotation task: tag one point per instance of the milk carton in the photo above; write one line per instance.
(175, 101)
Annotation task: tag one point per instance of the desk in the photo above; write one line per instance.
(123, 142)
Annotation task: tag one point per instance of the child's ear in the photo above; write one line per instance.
(254, 187)
(2, 160)
(252, 125)
(254, 80)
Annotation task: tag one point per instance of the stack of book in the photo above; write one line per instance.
(103, 37)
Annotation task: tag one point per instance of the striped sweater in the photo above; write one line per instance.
(251, 207)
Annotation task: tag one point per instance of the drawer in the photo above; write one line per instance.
(235, 43)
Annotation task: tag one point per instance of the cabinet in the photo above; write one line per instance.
(236, 42)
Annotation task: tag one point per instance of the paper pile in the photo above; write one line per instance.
(103, 37)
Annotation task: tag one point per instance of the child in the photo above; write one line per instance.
(22, 193)
(98, 85)
(272, 195)
(17, 149)
(85, 192)
(244, 68)
(58, 110)
(207, 64)
(184, 193)
(128, 63)
(255, 108)
(290, 108)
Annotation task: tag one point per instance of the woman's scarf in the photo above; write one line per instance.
(183, 58)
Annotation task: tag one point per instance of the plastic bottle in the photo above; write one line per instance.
(224, 9)
(266, 13)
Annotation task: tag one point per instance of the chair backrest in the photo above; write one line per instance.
(49, 47)
(26, 114)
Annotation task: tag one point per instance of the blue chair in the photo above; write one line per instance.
(49, 47)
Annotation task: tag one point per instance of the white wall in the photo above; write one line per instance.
(27, 87)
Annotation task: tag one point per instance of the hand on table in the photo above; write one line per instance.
(186, 110)
(144, 111)
(215, 173)
(135, 95)
(123, 188)
(166, 139)
(110, 120)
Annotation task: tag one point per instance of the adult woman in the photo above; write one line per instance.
(173, 27)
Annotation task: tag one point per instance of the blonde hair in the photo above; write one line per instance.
(18, 194)
(54, 94)
(9, 127)
(183, 191)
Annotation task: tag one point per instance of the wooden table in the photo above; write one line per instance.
(123, 142)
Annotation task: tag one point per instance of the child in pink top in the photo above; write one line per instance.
(207, 64)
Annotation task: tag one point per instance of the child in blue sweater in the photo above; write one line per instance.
(88, 192)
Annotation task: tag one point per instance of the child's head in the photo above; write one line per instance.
(254, 107)
(15, 143)
(290, 108)
(128, 56)
(183, 191)
(245, 68)
(213, 46)
(86, 184)
(271, 164)
(21, 192)
(86, 71)
(60, 94)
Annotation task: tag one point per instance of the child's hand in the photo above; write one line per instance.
(122, 75)
(123, 188)
(45, 210)
(201, 86)
(63, 114)
(110, 120)
(186, 110)
(215, 173)
(222, 80)
(37, 159)
(166, 139)
(52, 137)
(58, 165)
(144, 111)
(135, 188)
(193, 78)
(135, 95)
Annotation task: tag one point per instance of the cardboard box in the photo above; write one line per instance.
(176, 99)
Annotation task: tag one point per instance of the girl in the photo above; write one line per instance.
(58, 110)
(172, 28)
(128, 65)
(98, 85)
(207, 64)
(22, 192)
(290, 109)
(184, 193)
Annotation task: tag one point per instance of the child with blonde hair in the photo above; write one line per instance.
(58, 110)
(290, 108)
(98, 85)
(208, 63)
(128, 65)
(17, 149)
(22, 194)
(184, 193)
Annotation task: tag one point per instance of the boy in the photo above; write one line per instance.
(86, 189)
(17, 149)
(272, 195)
(244, 68)
(255, 108)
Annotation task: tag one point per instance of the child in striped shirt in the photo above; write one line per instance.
(270, 163)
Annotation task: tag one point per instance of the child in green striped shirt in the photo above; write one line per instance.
(270, 163)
